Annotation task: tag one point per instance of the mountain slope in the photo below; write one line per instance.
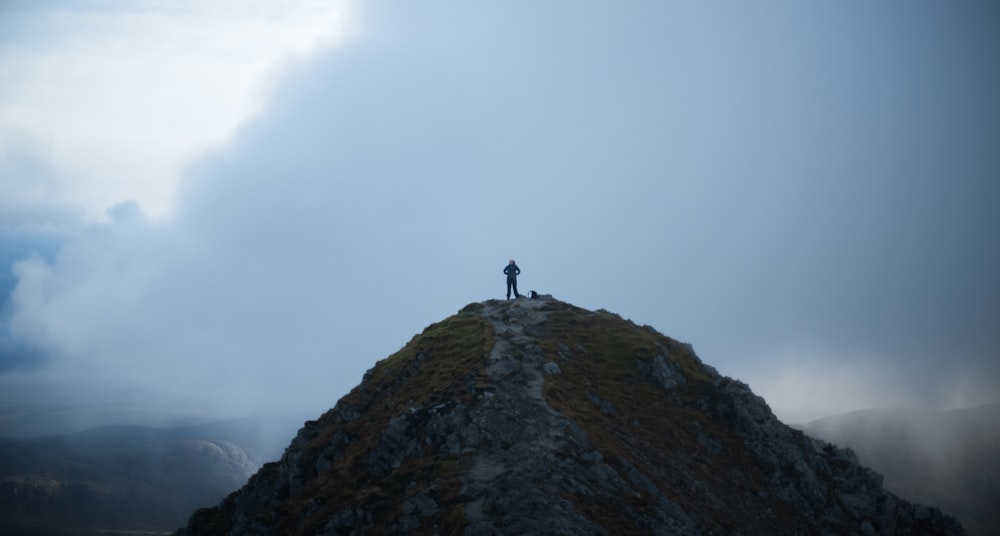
(946, 458)
(113, 478)
(128, 479)
(535, 416)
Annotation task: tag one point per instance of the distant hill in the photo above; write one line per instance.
(124, 479)
(949, 459)
(537, 417)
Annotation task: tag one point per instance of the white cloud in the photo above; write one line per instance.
(386, 184)
(125, 93)
(829, 384)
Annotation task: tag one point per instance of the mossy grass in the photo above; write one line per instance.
(434, 368)
(602, 357)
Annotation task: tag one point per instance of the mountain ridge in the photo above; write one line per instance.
(536, 416)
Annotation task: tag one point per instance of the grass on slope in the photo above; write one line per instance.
(434, 368)
(606, 388)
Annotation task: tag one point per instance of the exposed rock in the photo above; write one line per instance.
(532, 417)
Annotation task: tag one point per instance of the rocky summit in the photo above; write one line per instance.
(537, 417)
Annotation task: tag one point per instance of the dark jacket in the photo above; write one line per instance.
(512, 271)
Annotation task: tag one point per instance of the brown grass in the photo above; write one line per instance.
(666, 435)
(433, 368)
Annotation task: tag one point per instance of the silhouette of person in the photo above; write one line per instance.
(512, 271)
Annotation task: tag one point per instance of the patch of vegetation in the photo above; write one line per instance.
(436, 367)
(472, 308)
(602, 358)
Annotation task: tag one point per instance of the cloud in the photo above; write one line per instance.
(19, 355)
(125, 93)
(31, 226)
(729, 189)
(28, 176)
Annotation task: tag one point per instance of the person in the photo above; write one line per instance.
(512, 271)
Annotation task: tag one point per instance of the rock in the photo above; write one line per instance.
(474, 428)
(664, 373)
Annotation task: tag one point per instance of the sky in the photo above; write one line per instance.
(241, 206)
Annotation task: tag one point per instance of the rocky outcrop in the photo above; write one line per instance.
(534, 416)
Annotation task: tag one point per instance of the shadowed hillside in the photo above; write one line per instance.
(534, 416)
(124, 479)
(950, 459)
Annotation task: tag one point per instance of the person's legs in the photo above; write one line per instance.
(516, 295)
(508, 288)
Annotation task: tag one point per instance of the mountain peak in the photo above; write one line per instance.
(536, 416)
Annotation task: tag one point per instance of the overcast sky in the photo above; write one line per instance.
(247, 204)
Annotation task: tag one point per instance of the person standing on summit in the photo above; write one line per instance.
(512, 271)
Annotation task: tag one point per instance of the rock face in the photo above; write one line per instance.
(534, 416)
